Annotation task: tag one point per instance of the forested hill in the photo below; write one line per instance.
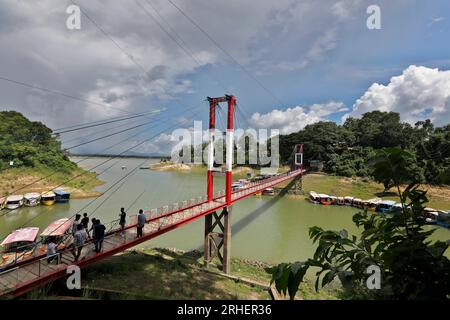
(29, 144)
(346, 149)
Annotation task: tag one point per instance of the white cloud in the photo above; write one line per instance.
(417, 94)
(296, 118)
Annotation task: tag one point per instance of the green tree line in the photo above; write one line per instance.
(346, 149)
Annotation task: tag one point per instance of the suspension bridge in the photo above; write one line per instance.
(215, 207)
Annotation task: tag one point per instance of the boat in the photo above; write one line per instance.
(48, 198)
(32, 199)
(443, 219)
(236, 186)
(314, 197)
(59, 232)
(348, 201)
(61, 196)
(372, 204)
(357, 202)
(385, 206)
(14, 202)
(18, 246)
(269, 192)
(397, 207)
(325, 199)
(340, 201)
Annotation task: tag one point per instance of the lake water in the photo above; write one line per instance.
(263, 228)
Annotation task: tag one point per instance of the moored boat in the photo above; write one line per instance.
(314, 197)
(348, 201)
(32, 199)
(326, 200)
(385, 206)
(61, 196)
(59, 232)
(48, 198)
(340, 201)
(14, 202)
(18, 246)
(357, 202)
(443, 219)
(269, 192)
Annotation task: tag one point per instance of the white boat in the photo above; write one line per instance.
(372, 204)
(314, 197)
(32, 199)
(357, 202)
(19, 245)
(340, 201)
(14, 202)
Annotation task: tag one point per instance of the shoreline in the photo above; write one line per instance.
(80, 183)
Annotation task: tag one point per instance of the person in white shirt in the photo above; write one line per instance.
(51, 252)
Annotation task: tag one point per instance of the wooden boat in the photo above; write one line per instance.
(48, 198)
(18, 246)
(59, 232)
(348, 201)
(61, 196)
(14, 202)
(385, 206)
(32, 199)
(357, 202)
(372, 204)
(326, 200)
(314, 197)
(340, 201)
(443, 219)
(269, 192)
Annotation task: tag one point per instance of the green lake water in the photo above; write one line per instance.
(263, 228)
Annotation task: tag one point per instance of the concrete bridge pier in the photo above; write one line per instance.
(218, 238)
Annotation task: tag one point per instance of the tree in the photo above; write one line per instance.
(412, 266)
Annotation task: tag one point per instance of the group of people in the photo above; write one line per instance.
(82, 233)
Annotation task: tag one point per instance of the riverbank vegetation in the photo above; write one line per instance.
(32, 160)
(347, 149)
(159, 273)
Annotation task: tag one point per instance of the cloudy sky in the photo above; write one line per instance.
(289, 63)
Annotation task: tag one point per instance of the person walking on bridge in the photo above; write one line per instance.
(75, 224)
(140, 223)
(122, 220)
(85, 222)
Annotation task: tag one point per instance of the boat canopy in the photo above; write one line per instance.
(14, 198)
(60, 192)
(21, 235)
(32, 195)
(48, 195)
(57, 228)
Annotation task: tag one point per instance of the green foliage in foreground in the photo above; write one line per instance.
(411, 265)
(30, 144)
(345, 149)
